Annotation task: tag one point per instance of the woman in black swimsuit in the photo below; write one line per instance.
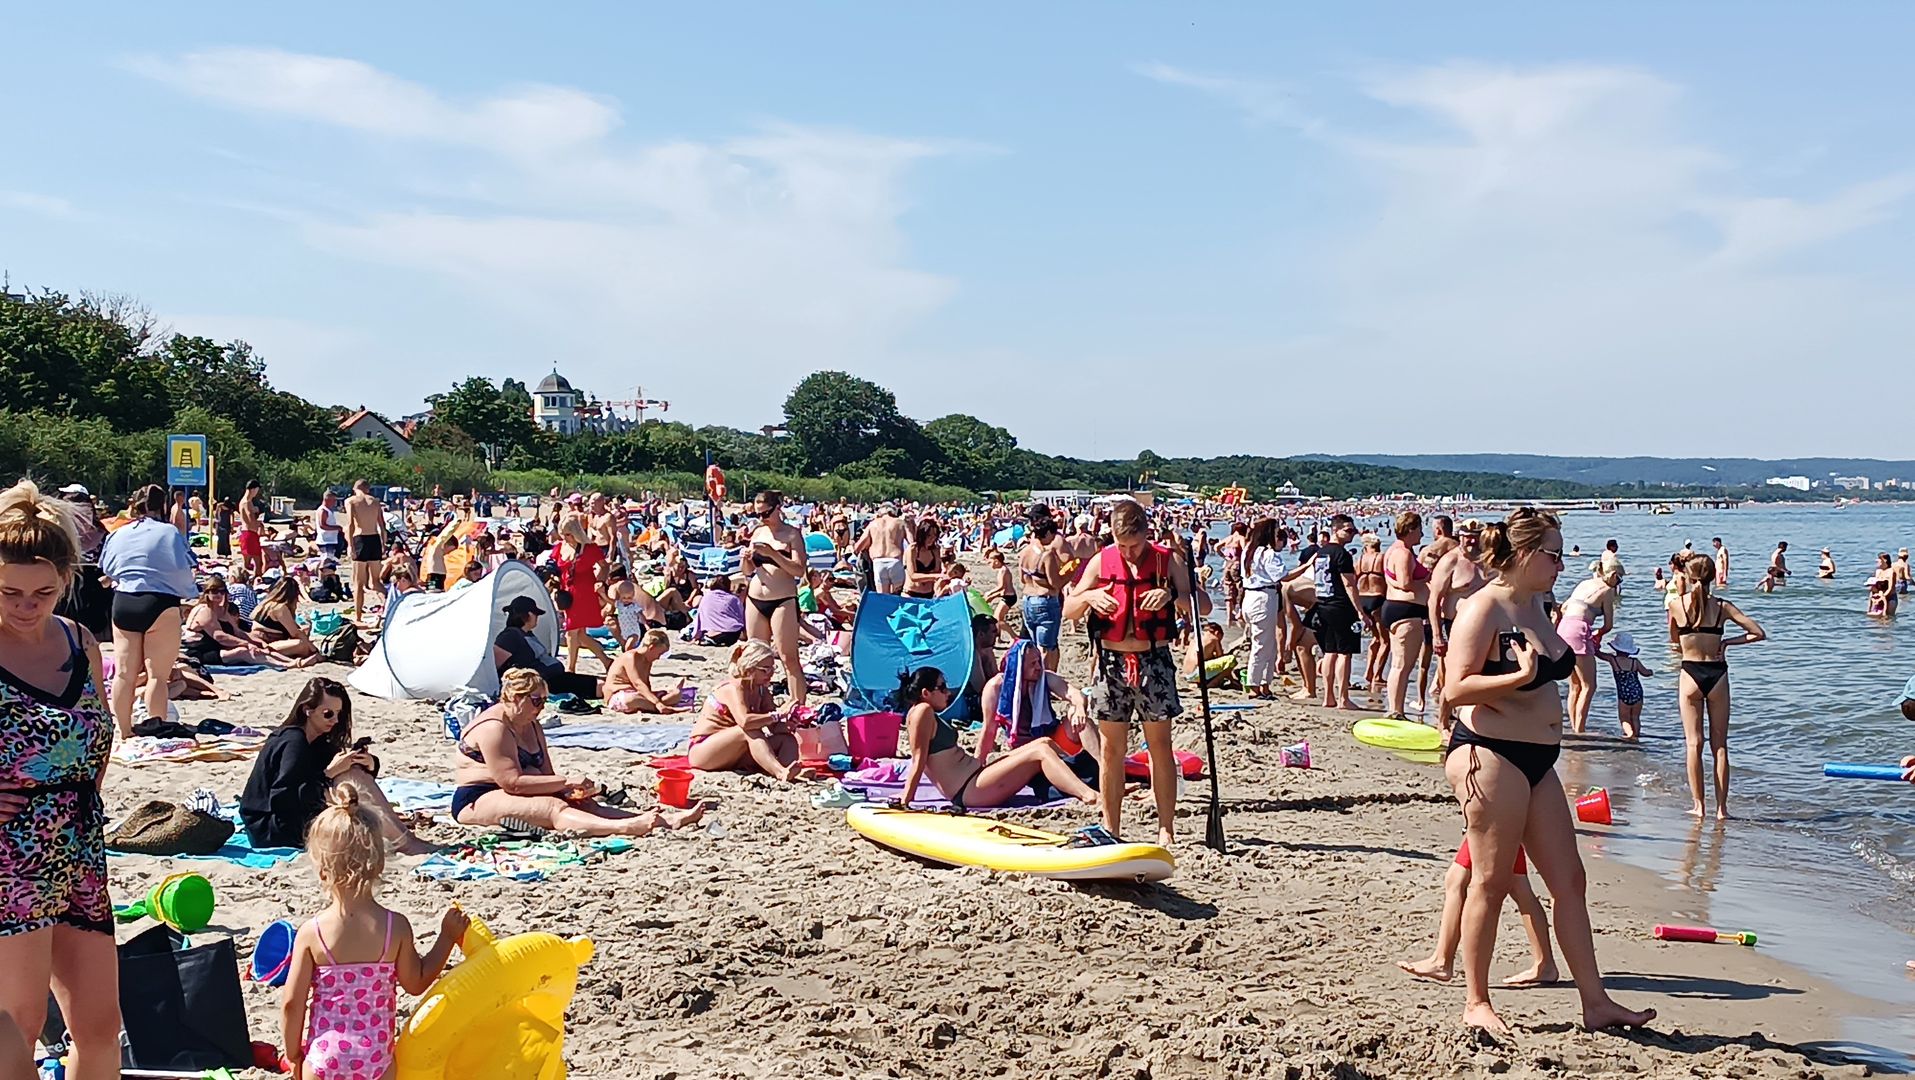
(1501, 670)
(1698, 619)
(505, 775)
(922, 566)
(775, 564)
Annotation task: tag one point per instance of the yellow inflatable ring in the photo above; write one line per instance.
(1396, 734)
(498, 1015)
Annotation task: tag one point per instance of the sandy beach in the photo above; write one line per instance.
(783, 944)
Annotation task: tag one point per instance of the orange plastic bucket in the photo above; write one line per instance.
(675, 787)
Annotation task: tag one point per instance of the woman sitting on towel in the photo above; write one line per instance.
(212, 634)
(506, 775)
(302, 761)
(518, 648)
(969, 782)
(741, 726)
(1022, 703)
(276, 621)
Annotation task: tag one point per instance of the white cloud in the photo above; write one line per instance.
(1260, 101)
(1555, 237)
(726, 268)
(526, 120)
(33, 203)
(302, 356)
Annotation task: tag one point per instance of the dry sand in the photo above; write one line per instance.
(793, 947)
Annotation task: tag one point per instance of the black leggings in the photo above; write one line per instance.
(136, 613)
(571, 682)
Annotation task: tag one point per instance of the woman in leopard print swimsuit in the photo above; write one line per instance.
(56, 921)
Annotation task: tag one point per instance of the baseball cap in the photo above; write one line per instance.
(522, 604)
(75, 489)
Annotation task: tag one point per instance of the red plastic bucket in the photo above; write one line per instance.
(675, 787)
(1593, 808)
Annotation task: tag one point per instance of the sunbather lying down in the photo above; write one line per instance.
(505, 776)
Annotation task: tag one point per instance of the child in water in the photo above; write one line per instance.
(353, 953)
(1629, 672)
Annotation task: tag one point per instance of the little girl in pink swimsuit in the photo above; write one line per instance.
(341, 1007)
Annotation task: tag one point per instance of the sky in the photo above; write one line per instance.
(1199, 229)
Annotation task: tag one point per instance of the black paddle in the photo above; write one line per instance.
(1213, 829)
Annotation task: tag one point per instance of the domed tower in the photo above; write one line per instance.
(555, 404)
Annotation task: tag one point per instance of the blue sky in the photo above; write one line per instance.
(1615, 229)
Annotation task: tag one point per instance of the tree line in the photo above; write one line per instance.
(95, 385)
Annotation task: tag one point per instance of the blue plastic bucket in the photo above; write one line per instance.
(273, 956)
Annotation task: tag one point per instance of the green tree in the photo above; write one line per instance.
(230, 380)
(484, 412)
(971, 453)
(835, 419)
(436, 434)
(72, 358)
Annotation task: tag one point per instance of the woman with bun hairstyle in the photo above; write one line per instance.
(742, 727)
(56, 920)
(1500, 672)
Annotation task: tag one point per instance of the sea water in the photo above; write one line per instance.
(1823, 870)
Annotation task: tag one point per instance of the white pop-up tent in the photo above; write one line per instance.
(435, 643)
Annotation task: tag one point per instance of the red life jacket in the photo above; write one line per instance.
(1132, 621)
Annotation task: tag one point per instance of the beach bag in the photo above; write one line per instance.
(162, 828)
(327, 622)
(461, 709)
(341, 646)
(182, 1007)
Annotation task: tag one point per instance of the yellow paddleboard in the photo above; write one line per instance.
(1396, 734)
(1002, 845)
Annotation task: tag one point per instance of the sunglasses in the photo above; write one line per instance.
(939, 689)
(328, 714)
(537, 699)
(1555, 556)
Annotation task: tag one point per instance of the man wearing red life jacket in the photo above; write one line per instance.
(1132, 591)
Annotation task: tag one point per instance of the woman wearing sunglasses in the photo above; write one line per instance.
(935, 752)
(1500, 672)
(301, 762)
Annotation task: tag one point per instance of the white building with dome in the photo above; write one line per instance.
(556, 406)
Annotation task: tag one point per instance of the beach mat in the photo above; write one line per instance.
(517, 860)
(146, 750)
(637, 738)
(879, 792)
(238, 850)
(235, 669)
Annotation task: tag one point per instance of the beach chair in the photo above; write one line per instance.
(709, 562)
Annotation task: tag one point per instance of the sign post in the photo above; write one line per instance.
(186, 461)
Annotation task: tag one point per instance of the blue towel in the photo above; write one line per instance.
(238, 850)
(410, 796)
(235, 669)
(637, 738)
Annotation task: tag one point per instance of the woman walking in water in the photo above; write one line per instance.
(1703, 685)
(1500, 671)
(1593, 598)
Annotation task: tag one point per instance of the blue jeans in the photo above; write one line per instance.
(1043, 619)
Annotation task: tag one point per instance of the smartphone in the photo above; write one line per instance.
(1506, 643)
(361, 744)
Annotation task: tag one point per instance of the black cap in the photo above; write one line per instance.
(522, 604)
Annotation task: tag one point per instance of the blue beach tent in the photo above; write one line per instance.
(896, 634)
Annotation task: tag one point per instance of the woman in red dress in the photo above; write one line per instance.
(578, 561)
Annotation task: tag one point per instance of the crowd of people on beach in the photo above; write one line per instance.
(1458, 622)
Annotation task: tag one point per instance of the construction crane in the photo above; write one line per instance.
(639, 403)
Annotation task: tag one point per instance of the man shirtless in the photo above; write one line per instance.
(628, 684)
(252, 526)
(1779, 563)
(366, 536)
(1080, 546)
(1722, 562)
(1901, 571)
(1455, 578)
(883, 539)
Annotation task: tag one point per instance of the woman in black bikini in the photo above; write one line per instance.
(922, 564)
(775, 559)
(1501, 670)
(1698, 619)
(276, 622)
(1405, 614)
(934, 749)
(505, 775)
(212, 634)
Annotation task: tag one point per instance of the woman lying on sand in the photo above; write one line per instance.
(1503, 664)
(506, 776)
(741, 725)
(969, 783)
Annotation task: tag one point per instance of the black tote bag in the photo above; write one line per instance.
(182, 1007)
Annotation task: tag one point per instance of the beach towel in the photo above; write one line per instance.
(144, 750)
(517, 860)
(235, 669)
(637, 738)
(238, 850)
(410, 796)
(930, 798)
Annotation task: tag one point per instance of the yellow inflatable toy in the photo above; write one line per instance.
(498, 1015)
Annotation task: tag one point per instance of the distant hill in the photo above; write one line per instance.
(1607, 472)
